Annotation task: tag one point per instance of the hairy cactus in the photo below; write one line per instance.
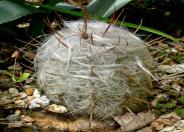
(99, 74)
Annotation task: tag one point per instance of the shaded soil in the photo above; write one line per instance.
(164, 15)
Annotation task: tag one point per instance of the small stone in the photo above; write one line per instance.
(30, 98)
(176, 87)
(29, 91)
(179, 124)
(21, 103)
(42, 101)
(56, 108)
(16, 98)
(34, 104)
(14, 117)
(15, 124)
(23, 95)
(26, 119)
(36, 93)
(168, 129)
(5, 99)
(13, 91)
(174, 50)
(175, 68)
(17, 112)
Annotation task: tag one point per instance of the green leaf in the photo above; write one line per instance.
(22, 78)
(61, 9)
(5, 72)
(169, 105)
(151, 30)
(180, 112)
(66, 6)
(10, 11)
(181, 99)
(105, 8)
(126, 24)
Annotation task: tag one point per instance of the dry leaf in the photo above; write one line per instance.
(167, 121)
(175, 69)
(130, 122)
(15, 54)
(179, 47)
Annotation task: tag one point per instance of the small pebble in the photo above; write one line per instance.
(34, 104)
(42, 101)
(5, 99)
(179, 124)
(174, 69)
(14, 117)
(174, 50)
(36, 93)
(23, 95)
(13, 92)
(21, 103)
(17, 112)
(168, 129)
(176, 87)
(15, 124)
(57, 108)
(26, 119)
(30, 98)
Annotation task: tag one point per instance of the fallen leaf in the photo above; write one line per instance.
(130, 122)
(179, 47)
(175, 69)
(15, 54)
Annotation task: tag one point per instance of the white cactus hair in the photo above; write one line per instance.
(97, 75)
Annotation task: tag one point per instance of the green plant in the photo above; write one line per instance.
(181, 99)
(169, 105)
(23, 76)
(21, 8)
(95, 8)
(180, 112)
(158, 106)
(179, 57)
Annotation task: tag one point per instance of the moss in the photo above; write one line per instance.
(180, 112)
(181, 100)
(158, 106)
(178, 58)
(169, 106)
(162, 53)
